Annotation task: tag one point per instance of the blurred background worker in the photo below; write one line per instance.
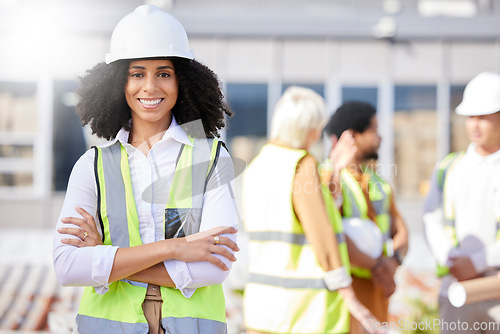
(299, 278)
(462, 209)
(368, 208)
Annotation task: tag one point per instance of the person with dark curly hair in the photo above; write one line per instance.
(377, 237)
(148, 224)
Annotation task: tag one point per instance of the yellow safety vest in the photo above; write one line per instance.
(285, 292)
(444, 167)
(355, 205)
(120, 309)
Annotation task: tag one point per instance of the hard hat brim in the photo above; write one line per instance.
(464, 109)
(109, 57)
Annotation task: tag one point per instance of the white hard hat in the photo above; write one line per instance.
(365, 234)
(481, 95)
(148, 32)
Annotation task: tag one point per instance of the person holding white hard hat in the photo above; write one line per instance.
(299, 279)
(462, 209)
(148, 222)
(377, 237)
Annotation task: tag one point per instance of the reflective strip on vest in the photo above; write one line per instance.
(288, 283)
(120, 309)
(379, 192)
(285, 292)
(445, 166)
(116, 197)
(291, 238)
(174, 325)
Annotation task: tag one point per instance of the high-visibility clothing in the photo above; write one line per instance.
(355, 205)
(285, 292)
(119, 310)
(444, 167)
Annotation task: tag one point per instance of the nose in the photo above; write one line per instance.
(149, 83)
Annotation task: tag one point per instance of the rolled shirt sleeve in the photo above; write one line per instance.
(87, 266)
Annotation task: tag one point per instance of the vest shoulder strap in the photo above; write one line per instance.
(445, 165)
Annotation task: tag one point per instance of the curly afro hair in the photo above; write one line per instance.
(102, 101)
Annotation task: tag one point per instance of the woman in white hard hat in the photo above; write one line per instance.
(148, 222)
(299, 278)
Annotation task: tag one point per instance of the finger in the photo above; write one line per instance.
(226, 230)
(218, 262)
(212, 232)
(75, 221)
(77, 232)
(88, 217)
(229, 243)
(83, 227)
(223, 252)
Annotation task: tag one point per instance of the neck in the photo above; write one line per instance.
(356, 163)
(484, 150)
(146, 135)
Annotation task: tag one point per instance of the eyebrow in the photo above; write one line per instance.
(158, 68)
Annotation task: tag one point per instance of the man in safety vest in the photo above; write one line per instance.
(462, 209)
(377, 237)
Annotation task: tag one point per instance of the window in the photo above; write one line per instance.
(69, 143)
(249, 103)
(415, 138)
(247, 130)
(364, 94)
(18, 132)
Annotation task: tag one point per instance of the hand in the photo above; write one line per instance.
(360, 312)
(383, 274)
(343, 151)
(202, 247)
(462, 268)
(87, 233)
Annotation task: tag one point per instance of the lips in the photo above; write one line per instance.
(150, 103)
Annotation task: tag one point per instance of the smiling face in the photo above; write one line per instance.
(151, 92)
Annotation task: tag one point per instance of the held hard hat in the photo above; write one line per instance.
(148, 32)
(481, 95)
(365, 234)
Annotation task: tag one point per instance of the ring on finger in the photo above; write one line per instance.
(217, 239)
(85, 234)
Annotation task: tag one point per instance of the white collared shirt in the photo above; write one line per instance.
(474, 189)
(91, 266)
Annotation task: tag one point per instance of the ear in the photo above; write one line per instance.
(355, 134)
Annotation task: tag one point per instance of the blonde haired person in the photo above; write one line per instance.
(291, 125)
(298, 267)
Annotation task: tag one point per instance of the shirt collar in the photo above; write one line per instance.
(174, 131)
(476, 157)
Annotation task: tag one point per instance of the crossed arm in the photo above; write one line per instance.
(89, 263)
(144, 263)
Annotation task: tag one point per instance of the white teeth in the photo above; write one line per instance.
(150, 102)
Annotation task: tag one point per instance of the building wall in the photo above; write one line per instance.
(426, 70)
